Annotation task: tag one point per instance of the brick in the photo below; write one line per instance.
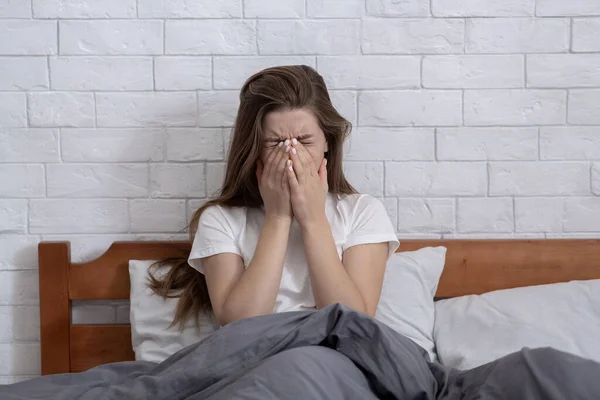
(584, 106)
(443, 179)
(61, 109)
(13, 110)
(89, 180)
(232, 72)
(112, 145)
(101, 73)
(477, 8)
(563, 70)
(28, 37)
(20, 359)
(21, 323)
(370, 72)
(473, 72)
(96, 314)
(582, 215)
(585, 35)
(270, 9)
(218, 37)
(539, 179)
(391, 144)
(15, 9)
(517, 35)
(366, 177)
(227, 141)
(394, 8)
(122, 315)
(426, 215)
(84, 9)
(421, 236)
(146, 109)
(183, 73)
(217, 108)
(391, 207)
(85, 248)
(484, 215)
(571, 8)
(23, 73)
(193, 205)
(18, 251)
(22, 180)
(194, 144)
(480, 144)
(570, 143)
(215, 175)
(419, 108)
(190, 9)
(515, 107)
(419, 36)
(596, 178)
(29, 145)
(306, 37)
(114, 37)
(177, 180)
(494, 236)
(19, 288)
(345, 104)
(13, 216)
(162, 237)
(539, 214)
(591, 235)
(157, 215)
(78, 216)
(335, 8)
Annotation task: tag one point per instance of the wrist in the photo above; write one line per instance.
(315, 224)
(278, 221)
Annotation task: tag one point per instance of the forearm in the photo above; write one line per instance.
(256, 290)
(329, 279)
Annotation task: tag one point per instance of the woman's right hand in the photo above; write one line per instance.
(273, 183)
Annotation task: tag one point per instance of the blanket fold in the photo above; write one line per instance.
(334, 353)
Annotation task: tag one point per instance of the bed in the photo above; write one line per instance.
(472, 267)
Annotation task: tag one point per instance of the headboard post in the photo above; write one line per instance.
(55, 315)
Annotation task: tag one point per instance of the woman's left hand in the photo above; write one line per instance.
(308, 186)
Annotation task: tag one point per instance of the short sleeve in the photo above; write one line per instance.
(370, 223)
(216, 234)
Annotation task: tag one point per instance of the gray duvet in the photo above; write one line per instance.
(334, 353)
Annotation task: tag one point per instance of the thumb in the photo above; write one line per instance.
(323, 172)
(259, 171)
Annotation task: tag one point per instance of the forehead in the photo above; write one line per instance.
(291, 123)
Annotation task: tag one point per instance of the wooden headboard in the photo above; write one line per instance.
(472, 267)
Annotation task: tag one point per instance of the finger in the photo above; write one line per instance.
(269, 163)
(298, 165)
(281, 167)
(279, 153)
(306, 159)
(323, 172)
(259, 171)
(292, 178)
(284, 177)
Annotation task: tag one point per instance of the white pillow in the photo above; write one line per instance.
(406, 304)
(474, 330)
(152, 337)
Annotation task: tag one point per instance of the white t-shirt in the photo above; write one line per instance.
(354, 219)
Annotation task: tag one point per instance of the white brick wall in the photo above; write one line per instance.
(472, 119)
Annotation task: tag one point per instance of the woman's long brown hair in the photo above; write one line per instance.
(272, 89)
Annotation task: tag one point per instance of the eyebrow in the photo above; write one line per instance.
(277, 140)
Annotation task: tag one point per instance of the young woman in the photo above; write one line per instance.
(287, 231)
